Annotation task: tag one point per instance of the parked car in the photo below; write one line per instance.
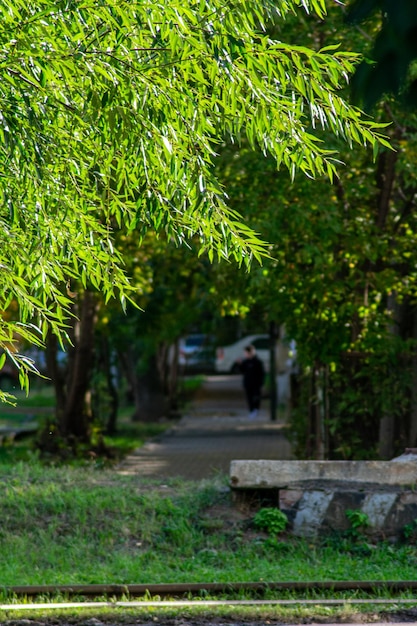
(197, 353)
(229, 357)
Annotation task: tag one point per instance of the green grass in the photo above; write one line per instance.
(191, 384)
(131, 435)
(38, 408)
(41, 398)
(87, 524)
(69, 525)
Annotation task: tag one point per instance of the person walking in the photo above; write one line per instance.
(253, 379)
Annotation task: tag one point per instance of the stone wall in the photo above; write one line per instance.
(315, 495)
(316, 512)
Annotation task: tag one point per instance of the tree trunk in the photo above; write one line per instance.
(385, 177)
(413, 409)
(127, 361)
(173, 377)
(104, 392)
(319, 446)
(145, 389)
(113, 393)
(315, 439)
(387, 422)
(386, 437)
(74, 421)
(152, 400)
(55, 373)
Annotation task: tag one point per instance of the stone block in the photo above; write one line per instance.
(315, 495)
(293, 474)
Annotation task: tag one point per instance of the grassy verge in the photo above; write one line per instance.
(89, 525)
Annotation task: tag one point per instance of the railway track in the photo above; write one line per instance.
(385, 602)
(189, 589)
(181, 594)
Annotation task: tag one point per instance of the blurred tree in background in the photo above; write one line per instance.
(343, 275)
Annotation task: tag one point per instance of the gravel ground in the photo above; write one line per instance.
(398, 617)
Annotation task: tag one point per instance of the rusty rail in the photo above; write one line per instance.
(186, 589)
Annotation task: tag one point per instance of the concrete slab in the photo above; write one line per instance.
(267, 474)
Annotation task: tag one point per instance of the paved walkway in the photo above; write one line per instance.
(215, 430)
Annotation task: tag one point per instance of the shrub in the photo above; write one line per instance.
(272, 520)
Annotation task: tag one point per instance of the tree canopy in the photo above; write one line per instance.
(110, 116)
(391, 64)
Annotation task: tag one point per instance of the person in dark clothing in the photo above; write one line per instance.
(253, 378)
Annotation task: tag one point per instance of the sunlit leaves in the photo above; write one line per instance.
(111, 115)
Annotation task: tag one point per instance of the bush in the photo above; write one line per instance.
(272, 520)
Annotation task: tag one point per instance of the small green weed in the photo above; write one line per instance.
(355, 535)
(358, 519)
(272, 520)
(353, 540)
(410, 532)
(273, 544)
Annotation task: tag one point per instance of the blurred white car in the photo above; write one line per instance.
(229, 357)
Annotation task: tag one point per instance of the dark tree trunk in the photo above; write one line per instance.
(386, 443)
(104, 387)
(154, 393)
(167, 365)
(150, 394)
(413, 413)
(319, 423)
(56, 373)
(173, 377)
(311, 423)
(74, 420)
(127, 361)
(385, 177)
(113, 404)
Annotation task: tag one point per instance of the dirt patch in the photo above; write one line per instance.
(409, 616)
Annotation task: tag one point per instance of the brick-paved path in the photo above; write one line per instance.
(215, 431)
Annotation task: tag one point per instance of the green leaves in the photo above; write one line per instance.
(111, 115)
